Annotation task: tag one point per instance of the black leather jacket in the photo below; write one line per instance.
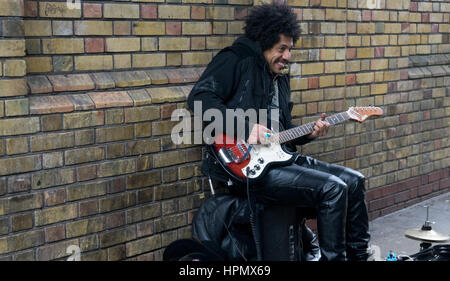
(239, 77)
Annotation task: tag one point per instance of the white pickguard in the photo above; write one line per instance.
(270, 153)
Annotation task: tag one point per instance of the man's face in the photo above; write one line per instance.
(279, 55)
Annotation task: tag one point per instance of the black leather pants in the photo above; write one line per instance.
(336, 192)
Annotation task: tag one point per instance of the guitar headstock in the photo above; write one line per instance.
(362, 113)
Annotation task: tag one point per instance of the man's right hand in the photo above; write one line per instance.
(259, 134)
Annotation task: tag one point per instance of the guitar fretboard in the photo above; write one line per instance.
(297, 132)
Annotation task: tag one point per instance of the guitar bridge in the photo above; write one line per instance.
(227, 155)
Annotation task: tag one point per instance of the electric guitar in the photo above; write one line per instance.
(252, 161)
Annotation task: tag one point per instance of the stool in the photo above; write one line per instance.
(280, 228)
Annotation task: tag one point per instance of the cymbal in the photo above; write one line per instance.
(426, 235)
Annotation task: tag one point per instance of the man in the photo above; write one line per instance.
(248, 75)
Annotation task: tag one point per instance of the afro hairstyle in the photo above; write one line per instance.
(265, 23)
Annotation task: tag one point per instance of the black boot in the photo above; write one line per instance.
(331, 219)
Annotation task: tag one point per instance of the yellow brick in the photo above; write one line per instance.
(236, 27)
(379, 77)
(93, 27)
(425, 7)
(173, 12)
(173, 59)
(415, 17)
(445, 7)
(93, 63)
(313, 14)
(11, 8)
(392, 28)
(365, 53)
(123, 44)
(299, 83)
(414, 39)
(394, 5)
(379, 64)
(340, 81)
(326, 81)
(149, 44)
(37, 28)
(218, 42)
(392, 51)
(220, 13)
(57, 10)
(303, 3)
(327, 54)
(380, 15)
(365, 41)
(15, 68)
(38, 64)
(378, 89)
(435, 39)
(11, 88)
(63, 46)
(335, 41)
(124, 11)
(311, 42)
(328, 27)
(219, 27)
(403, 39)
(174, 43)
(196, 28)
(149, 28)
(328, 3)
(423, 49)
(335, 67)
(298, 110)
(335, 14)
(403, 16)
(424, 28)
(312, 95)
(16, 107)
(392, 75)
(362, 78)
(438, 18)
(366, 28)
(354, 41)
(197, 58)
(12, 48)
(379, 40)
(122, 61)
(148, 60)
(312, 68)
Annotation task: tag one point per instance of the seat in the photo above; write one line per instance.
(278, 232)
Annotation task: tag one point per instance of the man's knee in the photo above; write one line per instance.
(354, 179)
(335, 189)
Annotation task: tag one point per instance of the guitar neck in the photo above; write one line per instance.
(297, 132)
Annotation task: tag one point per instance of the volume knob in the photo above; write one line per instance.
(257, 167)
(260, 160)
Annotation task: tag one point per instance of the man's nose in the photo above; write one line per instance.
(287, 55)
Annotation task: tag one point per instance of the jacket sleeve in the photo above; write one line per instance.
(216, 86)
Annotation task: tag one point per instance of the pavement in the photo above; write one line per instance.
(388, 232)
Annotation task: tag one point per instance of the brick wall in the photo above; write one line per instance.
(86, 96)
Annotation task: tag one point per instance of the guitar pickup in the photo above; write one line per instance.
(225, 156)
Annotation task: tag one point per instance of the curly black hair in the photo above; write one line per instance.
(265, 23)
